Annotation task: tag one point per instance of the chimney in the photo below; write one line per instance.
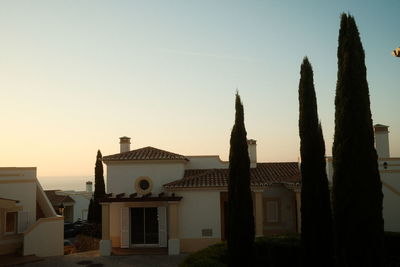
(252, 148)
(125, 144)
(382, 140)
(89, 186)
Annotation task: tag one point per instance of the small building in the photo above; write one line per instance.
(75, 203)
(178, 203)
(28, 222)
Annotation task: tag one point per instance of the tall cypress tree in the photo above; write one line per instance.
(240, 203)
(316, 214)
(357, 188)
(99, 187)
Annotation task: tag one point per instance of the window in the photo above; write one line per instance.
(11, 222)
(143, 185)
(271, 210)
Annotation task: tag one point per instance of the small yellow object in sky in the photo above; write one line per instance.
(396, 52)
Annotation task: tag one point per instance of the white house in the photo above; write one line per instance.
(166, 200)
(28, 222)
(179, 203)
(76, 203)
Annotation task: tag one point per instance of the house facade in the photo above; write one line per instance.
(28, 222)
(75, 203)
(179, 203)
(161, 199)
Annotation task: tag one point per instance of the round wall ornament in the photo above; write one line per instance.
(143, 185)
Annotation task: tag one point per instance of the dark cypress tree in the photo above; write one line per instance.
(99, 187)
(357, 188)
(316, 214)
(90, 211)
(240, 204)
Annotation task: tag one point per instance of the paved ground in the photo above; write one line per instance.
(93, 259)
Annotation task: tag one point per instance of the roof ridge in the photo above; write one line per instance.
(146, 153)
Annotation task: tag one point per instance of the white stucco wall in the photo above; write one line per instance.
(20, 184)
(199, 210)
(115, 223)
(45, 238)
(81, 204)
(382, 144)
(390, 178)
(121, 177)
(206, 162)
(81, 207)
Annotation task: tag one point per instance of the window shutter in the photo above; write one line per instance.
(272, 211)
(124, 227)
(23, 221)
(162, 226)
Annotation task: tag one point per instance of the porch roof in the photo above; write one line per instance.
(140, 199)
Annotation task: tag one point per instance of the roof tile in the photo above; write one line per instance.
(263, 175)
(56, 200)
(145, 153)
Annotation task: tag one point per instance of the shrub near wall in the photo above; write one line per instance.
(277, 251)
(274, 251)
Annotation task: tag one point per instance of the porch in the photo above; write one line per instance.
(140, 225)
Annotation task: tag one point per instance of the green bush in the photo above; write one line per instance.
(277, 251)
(214, 255)
(274, 251)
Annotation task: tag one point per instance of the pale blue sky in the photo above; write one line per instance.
(76, 75)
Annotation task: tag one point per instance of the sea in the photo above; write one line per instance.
(77, 183)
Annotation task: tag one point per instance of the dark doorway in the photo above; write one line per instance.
(144, 226)
(224, 214)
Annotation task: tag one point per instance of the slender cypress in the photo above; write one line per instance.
(90, 211)
(357, 188)
(99, 187)
(240, 203)
(316, 214)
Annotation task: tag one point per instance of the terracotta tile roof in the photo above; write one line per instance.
(145, 153)
(56, 200)
(263, 175)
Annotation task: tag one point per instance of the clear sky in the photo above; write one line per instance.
(77, 75)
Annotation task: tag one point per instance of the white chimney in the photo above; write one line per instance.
(89, 187)
(382, 140)
(125, 144)
(252, 148)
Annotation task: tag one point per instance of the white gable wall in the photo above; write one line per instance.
(121, 177)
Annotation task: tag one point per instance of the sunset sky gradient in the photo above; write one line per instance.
(77, 75)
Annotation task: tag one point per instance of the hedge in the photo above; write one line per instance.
(277, 251)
